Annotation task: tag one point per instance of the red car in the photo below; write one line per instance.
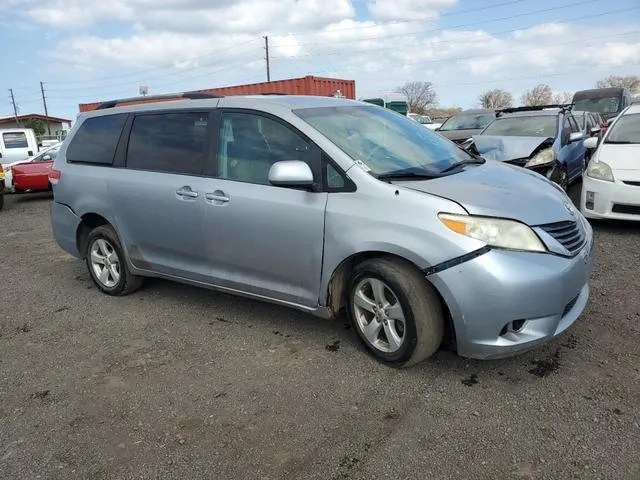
(33, 175)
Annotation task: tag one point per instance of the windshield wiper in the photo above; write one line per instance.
(474, 161)
(621, 142)
(408, 174)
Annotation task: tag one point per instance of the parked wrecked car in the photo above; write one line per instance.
(611, 185)
(546, 139)
(462, 126)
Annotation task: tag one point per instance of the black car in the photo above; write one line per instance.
(462, 126)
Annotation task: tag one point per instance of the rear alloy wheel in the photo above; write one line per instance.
(395, 311)
(107, 265)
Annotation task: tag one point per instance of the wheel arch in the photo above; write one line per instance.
(336, 291)
(88, 222)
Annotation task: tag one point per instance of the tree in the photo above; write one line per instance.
(496, 98)
(38, 127)
(631, 82)
(539, 95)
(420, 95)
(563, 97)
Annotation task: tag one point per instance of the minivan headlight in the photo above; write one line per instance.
(495, 232)
(600, 171)
(544, 157)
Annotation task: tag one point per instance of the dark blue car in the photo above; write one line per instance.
(546, 139)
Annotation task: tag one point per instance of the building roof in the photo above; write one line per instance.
(32, 116)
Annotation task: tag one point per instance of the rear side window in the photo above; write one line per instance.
(15, 140)
(574, 125)
(96, 140)
(168, 142)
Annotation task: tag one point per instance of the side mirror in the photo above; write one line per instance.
(591, 142)
(46, 158)
(594, 131)
(291, 173)
(575, 136)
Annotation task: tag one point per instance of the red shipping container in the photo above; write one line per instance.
(309, 85)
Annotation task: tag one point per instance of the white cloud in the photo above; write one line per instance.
(184, 44)
(407, 9)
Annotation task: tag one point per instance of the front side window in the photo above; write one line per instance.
(250, 144)
(96, 139)
(15, 140)
(625, 130)
(524, 126)
(48, 155)
(467, 122)
(168, 142)
(382, 140)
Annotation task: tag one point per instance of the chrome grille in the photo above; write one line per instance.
(569, 234)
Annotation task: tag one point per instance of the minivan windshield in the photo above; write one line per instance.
(524, 126)
(383, 140)
(467, 121)
(625, 130)
(598, 104)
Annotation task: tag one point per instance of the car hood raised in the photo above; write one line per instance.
(501, 190)
(458, 135)
(506, 148)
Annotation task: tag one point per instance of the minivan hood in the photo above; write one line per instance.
(500, 190)
(506, 148)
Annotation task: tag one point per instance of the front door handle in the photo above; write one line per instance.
(186, 192)
(217, 196)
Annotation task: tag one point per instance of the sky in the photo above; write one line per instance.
(88, 51)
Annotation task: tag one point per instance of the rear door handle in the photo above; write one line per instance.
(186, 192)
(216, 196)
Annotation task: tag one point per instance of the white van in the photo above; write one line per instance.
(17, 144)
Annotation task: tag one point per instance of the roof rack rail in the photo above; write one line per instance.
(533, 108)
(170, 96)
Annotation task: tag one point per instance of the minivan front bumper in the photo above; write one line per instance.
(503, 303)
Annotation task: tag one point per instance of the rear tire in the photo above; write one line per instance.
(395, 311)
(107, 265)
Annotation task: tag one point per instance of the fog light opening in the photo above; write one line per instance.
(590, 200)
(512, 327)
(517, 325)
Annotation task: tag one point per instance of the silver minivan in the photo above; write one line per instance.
(324, 204)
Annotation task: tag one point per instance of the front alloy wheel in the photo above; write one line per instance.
(379, 315)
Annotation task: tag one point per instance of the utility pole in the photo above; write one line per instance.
(46, 113)
(266, 47)
(15, 109)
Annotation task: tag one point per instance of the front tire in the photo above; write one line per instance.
(107, 265)
(395, 311)
(561, 177)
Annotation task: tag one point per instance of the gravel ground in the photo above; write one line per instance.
(179, 382)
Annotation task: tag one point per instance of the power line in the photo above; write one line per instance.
(146, 80)
(447, 41)
(128, 74)
(413, 20)
(503, 52)
(471, 24)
